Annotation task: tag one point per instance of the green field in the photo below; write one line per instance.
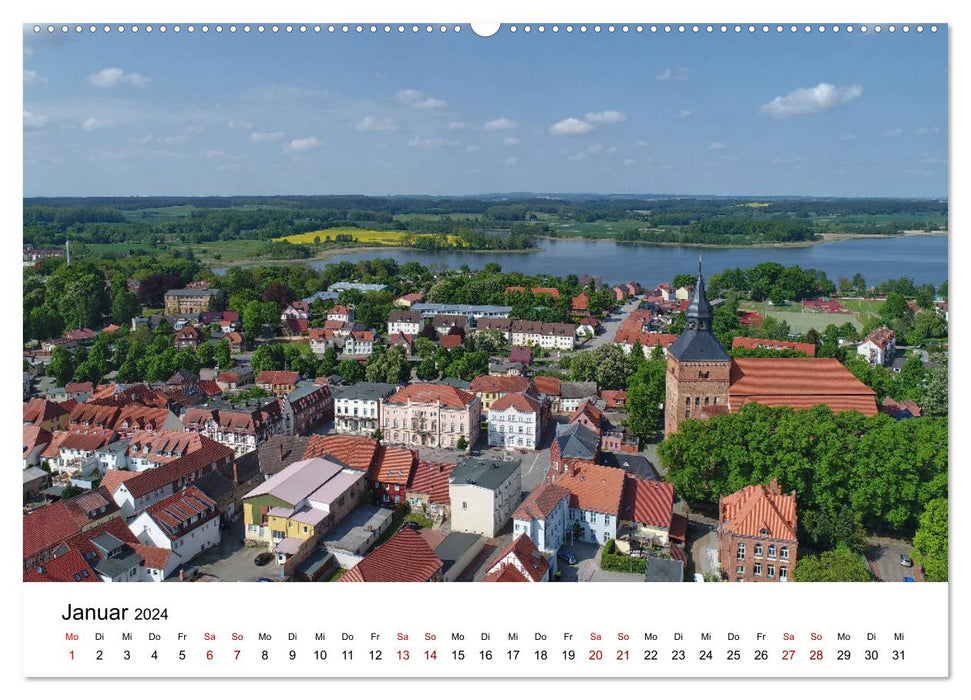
(120, 248)
(597, 229)
(227, 251)
(800, 321)
(864, 307)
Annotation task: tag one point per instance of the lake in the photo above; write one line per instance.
(922, 258)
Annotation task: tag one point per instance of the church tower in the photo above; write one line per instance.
(698, 366)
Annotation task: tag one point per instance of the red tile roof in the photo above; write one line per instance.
(210, 387)
(490, 384)
(277, 378)
(447, 395)
(210, 453)
(648, 502)
(405, 557)
(881, 336)
(155, 557)
(593, 415)
(756, 508)
(541, 502)
(431, 479)
(35, 436)
(507, 573)
(67, 568)
(95, 415)
(524, 403)
(82, 439)
(799, 382)
(647, 340)
(46, 526)
(393, 465)
(614, 398)
(174, 514)
(740, 342)
(113, 477)
(354, 451)
(450, 341)
(531, 561)
(548, 385)
(594, 487)
(893, 408)
(82, 541)
(37, 411)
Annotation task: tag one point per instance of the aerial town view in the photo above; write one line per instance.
(309, 312)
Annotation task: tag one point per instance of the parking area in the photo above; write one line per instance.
(883, 554)
(230, 560)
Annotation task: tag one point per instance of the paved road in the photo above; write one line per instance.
(884, 557)
(611, 324)
(231, 561)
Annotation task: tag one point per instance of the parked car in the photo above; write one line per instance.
(568, 557)
(263, 558)
(908, 579)
(905, 560)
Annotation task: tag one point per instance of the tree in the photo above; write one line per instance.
(257, 314)
(61, 366)
(351, 371)
(328, 362)
(645, 395)
(930, 542)
(832, 527)
(894, 307)
(71, 491)
(224, 355)
(427, 371)
(683, 280)
(152, 289)
(124, 307)
(836, 565)
(280, 294)
(268, 357)
(461, 443)
(934, 399)
(859, 283)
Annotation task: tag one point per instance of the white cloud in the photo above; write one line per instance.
(417, 142)
(684, 114)
(372, 123)
(32, 77)
(893, 132)
(302, 145)
(113, 77)
(500, 124)
(509, 162)
(263, 136)
(608, 116)
(810, 100)
(419, 100)
(456, 126)
(680, 73)
(628, 163)
(717, 146)
(642, 143)
(93, 123)
(571, 126)
(512, 141)
(32, 120)
(213, 154)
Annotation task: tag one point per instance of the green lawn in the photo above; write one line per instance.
(422, 520)
(864, 307)
(225, 251)
(800, 321)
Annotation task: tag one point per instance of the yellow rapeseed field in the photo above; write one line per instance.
(364, 236)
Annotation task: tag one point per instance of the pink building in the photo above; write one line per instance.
(436, 415)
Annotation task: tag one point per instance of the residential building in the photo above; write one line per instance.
(489, 388)
(551, 388)
(186, 338)
(406, 557)
(552, 336)
(646, 510)
(302, 502)
(879, 348)
(467, 310)
(502, 326)
(390, 474)
(187, 523)
(449, 324)
(457, 550)
(278, 383)
(47, 527)
(596, 493)
(407, 322)
(574, 443)
(406, 301)
(483, 493)
(36, 440)
(234, 379)
(191, 301)
(544, 517)
(702, 380)
(523, 555)
(280, 451)
(574, 394)
(516, 421)
(757, 533)
(306, 407)
(340, 314)
(428, 490)
(46, 414)
(321, 339)
(361, 287)
(138, 491)
(627, 337)
(435, 415)
(72, 450)
(297, 310)
(243, 427)
(357, 407)
(359, 342)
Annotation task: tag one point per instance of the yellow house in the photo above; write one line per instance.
(490, 388)
(304, 501)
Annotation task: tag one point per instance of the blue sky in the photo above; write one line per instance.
(225, 114)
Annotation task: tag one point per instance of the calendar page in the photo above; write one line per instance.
(649, 316)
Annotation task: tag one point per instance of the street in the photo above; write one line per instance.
(610, 325)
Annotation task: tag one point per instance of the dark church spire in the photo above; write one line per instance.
(697, 343)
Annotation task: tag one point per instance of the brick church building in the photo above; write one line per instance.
(704, 381)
